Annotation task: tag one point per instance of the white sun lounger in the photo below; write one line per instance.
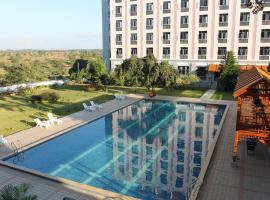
(53, 119)
(3, 140)
(95, 105)
(45, 124)
(88, 108)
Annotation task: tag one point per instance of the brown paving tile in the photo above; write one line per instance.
(220, 192)
(248, 195)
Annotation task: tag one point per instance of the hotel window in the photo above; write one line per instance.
(223, 20)
(163, 179)
(133, 9)
(134, 51)
(166, 6)
(119, 52)
(183, 70)
(149, 51)
(222, 51)
(166, 37)
(202, 36)
(179, 182)
(197, 158)
(133, 24)
(180, 156)
(265, 35)
(264, 53)
(184, 22)
(118, 39)
(244, 3)
(266, 18)
(242, 53)
(222, 36)
(133, 38)
(244, 18)
(198, 132)
(118, 11)
(166, 22)
(149, 8)
(118, 25)
(203, 5)
(198, 146)
(223, 4)
(203, 20)
(149, 38)
(199, 117)
(180, 169)
(184, 5)
(202, 52)
(243, 36)
(166, 52)
(196, 171)
(184, 37)
(149, 23)
(183, 53)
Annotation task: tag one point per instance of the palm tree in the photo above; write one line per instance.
(11, 192)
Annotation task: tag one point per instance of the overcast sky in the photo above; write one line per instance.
(50, 24)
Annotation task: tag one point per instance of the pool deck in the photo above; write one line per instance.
(250, 181)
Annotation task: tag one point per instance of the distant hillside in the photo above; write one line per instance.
(53, 60)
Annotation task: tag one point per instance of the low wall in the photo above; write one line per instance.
(18, 87)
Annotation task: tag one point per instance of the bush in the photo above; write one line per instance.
(51, 97)
(186, 80)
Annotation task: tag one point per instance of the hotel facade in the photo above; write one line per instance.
(190, 34)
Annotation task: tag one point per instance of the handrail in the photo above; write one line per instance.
(17, 150)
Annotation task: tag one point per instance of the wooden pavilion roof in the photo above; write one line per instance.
(217, 67)
(248, 79)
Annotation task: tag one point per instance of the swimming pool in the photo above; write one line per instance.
(148, 150)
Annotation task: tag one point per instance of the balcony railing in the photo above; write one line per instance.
(133, 13)
(166, 26)
(133, 41)
(184, 25)
(265, 40)
(224, 7)
(264, 57)
(149, 27)
(221, 57)
(118, 14)
(201, 56)
(266, 22)
(149, 12)
(184, 9)
(166, 11)
(244, 5)
(118, 1)
(166, 56)
(202, 41)
(149, 41)
(118, 28)
(242, 57)
(118, 42)
(133, 28)
(243, 40)
(183, 41)
(183, 56)
(222, 40)
(166, 41)
(203, 8)
(244, 23)
(119, 56)
(204, 24)
(223, 23)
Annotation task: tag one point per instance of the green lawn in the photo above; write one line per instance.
(194, 93)
(223, 96)
(17, 113)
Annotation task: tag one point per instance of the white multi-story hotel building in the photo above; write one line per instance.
(190, 34)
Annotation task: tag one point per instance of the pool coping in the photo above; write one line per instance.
(99, 191)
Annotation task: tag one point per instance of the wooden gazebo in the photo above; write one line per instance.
(253, 111)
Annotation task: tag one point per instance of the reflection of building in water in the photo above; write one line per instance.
(172, 142)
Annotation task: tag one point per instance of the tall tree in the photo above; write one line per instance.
(167, 74)
(229, 72)
(150, 72)
(255, 5)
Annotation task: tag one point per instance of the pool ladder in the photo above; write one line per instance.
(17, 151)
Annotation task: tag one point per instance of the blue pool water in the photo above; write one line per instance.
(149, 150)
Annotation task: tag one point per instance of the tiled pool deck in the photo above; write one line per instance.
(250, 181)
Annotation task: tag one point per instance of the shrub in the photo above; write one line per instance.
(51, 97)
(186, 80)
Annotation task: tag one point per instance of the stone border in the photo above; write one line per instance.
(100, 192)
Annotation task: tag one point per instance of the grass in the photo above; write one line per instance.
(193, 93)
(17, 113)
(223, 96)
